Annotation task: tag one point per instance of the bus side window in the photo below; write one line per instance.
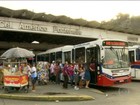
(67, 56)
(137, 54)
(131, 56)
(90, 53)
(80, 55)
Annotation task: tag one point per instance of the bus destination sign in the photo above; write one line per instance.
(114, 43)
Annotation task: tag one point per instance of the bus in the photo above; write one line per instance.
(134, 55)
(61, 54)
(111, 59)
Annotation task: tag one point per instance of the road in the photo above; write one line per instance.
(127, 94)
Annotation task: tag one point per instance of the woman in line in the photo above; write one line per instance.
(57, 70)
(87, 75)
(81, 75)
(66, 75)
(71, 73)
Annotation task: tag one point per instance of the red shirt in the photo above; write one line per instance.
(65, 70)
(71, 70)
(92, 66)
(56, 69)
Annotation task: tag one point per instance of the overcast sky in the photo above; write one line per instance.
(88, 10)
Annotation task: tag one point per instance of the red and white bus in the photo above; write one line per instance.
(111, 59)
(134, 55)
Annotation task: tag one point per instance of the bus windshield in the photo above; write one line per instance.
(116, 58)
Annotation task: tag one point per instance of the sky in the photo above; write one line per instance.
(88, 10)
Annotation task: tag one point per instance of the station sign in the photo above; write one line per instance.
(37, 26)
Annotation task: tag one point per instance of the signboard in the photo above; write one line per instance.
(114, 43)
(15, 80)
(39, 27)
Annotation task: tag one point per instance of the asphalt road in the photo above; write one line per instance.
(127, 94)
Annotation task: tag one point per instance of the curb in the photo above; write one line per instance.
(97, 91)
(48, 97)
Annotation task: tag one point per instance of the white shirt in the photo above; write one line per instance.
(33, 72)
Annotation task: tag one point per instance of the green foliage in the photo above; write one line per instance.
(64, 19)
(22, 14)
(79, 22)
(92, 24)
(123, 23)
(5, 12)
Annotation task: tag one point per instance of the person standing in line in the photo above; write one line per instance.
(28, 69)
(33, 76)
(48, 71)
(71, 73)
(52, 76)
(87, 75)
(76, 76)
(61, 73)
(66, 75)
(81, 75)
(92, 68)
(57, 70)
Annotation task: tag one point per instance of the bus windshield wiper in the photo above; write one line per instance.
(115, 52)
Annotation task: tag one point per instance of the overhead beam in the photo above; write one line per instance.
(29, 46)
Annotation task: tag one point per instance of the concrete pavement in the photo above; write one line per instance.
(51, 92)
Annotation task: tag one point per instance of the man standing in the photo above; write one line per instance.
(33, 76)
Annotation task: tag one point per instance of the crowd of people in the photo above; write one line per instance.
(77, 75)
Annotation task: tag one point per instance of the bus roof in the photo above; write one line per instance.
(86, 45)
(96, 42)
(134, 47)
(62, 48)
(67, 48)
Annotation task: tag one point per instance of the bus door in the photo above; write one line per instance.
(92, 55)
